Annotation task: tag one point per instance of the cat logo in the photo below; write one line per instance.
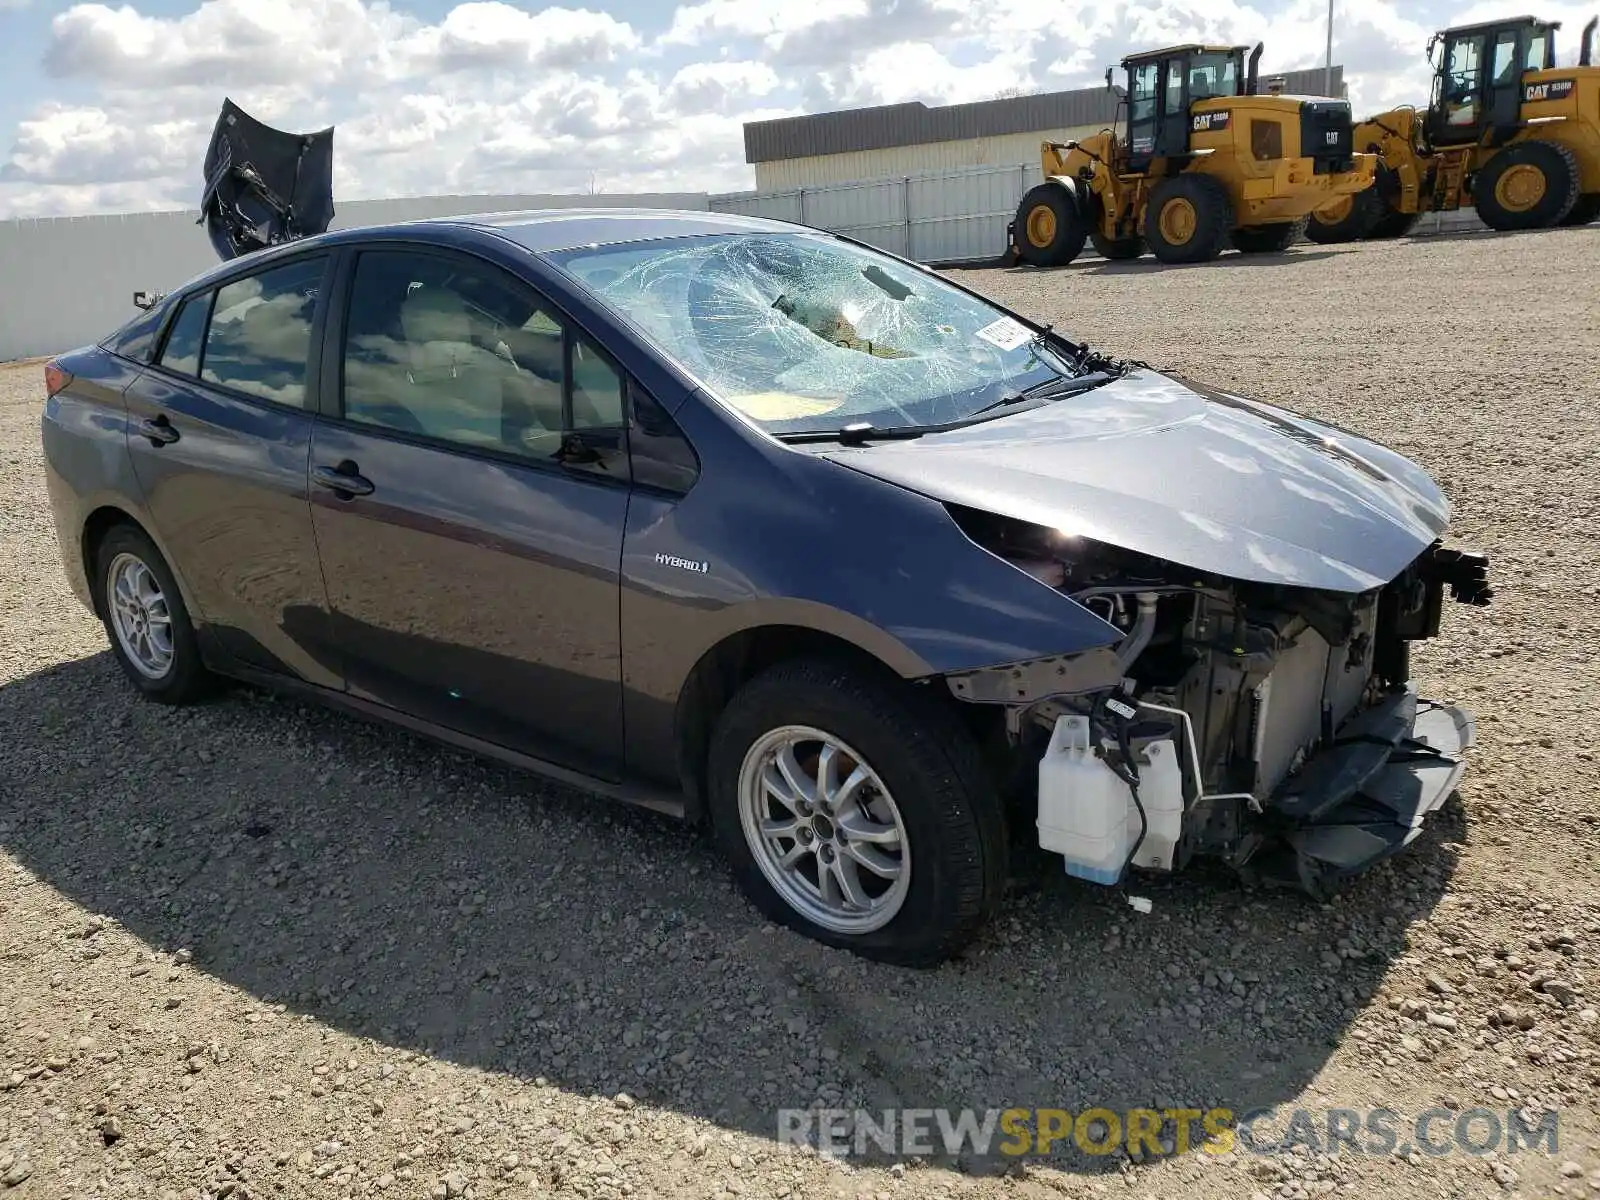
(1210, 122)
(1551, 89)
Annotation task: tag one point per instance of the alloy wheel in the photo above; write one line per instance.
(824, 830)
(140, 615)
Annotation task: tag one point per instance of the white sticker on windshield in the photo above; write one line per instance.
(1005, 333)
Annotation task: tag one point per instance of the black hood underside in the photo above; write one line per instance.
(264, 186)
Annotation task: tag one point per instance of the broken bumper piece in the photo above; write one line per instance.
(1367, 796)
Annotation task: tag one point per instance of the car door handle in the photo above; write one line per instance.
(345, 479)
(159, 430)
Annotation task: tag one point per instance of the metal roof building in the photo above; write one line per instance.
(905, 139)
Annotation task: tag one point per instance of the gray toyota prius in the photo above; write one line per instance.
(768, 529)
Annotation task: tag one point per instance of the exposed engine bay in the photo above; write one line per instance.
(1273, 727)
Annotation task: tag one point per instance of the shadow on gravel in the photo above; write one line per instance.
(1229, 261)
(413, 895)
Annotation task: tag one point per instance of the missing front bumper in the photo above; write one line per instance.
(1368, 795)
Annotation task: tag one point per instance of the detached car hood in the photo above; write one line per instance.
(1180, 472)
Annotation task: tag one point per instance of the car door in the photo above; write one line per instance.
(470, 490)
(219, 434)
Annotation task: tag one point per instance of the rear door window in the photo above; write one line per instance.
(260, 335)
(181, 353)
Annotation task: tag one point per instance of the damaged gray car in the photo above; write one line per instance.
(770, 530)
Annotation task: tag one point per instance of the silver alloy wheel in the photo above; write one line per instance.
(139, 615)
(824, 830)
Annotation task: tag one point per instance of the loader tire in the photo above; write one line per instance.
(1188, 219)
(1394, 225)
(1050, 227)
(1348, 219)
(1268, 239)
(1117, 249)
(1584, 211)
(1531, 185)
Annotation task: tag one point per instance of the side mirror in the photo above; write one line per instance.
(147, 300)
(1109, 85)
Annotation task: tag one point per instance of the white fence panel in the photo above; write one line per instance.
(774, 206)
(932, 216)
(962, 215)
(873, 212)
(946, 216)
(68, 281)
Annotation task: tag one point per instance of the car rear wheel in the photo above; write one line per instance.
(856, 812)
(146, 621)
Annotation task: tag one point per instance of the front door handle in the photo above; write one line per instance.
(159, 430)
(345, 480)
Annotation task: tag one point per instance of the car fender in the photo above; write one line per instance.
(775, 536)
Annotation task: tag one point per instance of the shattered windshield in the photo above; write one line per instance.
(804, 333)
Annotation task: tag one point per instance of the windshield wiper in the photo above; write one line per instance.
(1048, 389)
(858, 434)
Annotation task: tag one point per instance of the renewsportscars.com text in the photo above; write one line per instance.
(1150, 1132)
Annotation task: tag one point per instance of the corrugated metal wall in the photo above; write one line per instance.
(67, 281)
(1004, 151)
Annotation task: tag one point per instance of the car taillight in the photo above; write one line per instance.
(54, 379)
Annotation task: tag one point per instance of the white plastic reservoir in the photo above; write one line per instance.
(1087, 814)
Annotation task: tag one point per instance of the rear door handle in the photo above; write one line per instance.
(159, 430)
(346, 480)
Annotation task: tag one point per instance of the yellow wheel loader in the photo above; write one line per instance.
(1507, 132)
(1198, 159)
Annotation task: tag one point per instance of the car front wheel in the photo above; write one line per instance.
(856, 811)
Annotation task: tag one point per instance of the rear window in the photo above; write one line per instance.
(137, 338)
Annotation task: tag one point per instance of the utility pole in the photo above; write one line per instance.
(1327, 70)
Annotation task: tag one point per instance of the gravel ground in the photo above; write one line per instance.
(257, 949)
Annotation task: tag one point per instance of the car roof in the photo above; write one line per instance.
(539, 231)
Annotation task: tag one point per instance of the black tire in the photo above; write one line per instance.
(929, 764)
(1393, 225)
(1268, 239)
(1366, 210)
(185, 679)
(1584, 211)
(1050, 214)
(1213, 218)
(1117, 249)
(1556, 163)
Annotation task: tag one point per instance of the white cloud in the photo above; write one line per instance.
(721, 87)
(917, 71)
(492, 34)
(773, 21)
(506, 95)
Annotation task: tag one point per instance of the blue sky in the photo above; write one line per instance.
(107, 107)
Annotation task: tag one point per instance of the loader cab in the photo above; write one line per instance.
(1162, 84)
(1477, 83)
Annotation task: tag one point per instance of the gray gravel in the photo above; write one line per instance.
(255, 949)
